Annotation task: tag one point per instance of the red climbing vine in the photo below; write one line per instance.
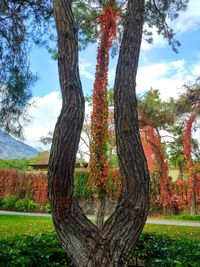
(187, 146)
(99, 129)
(157, 162)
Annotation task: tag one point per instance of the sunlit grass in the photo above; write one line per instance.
(11, 225)
(174, 231)
(182, 217)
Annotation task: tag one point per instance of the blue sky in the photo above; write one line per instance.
(159, 68)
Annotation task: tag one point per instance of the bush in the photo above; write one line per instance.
(162, 250)
(48, 208)
(31, 251)
(81, 187)
(9, 202)
(26, 204)
(188, 217)
(151, 250)
(19, 164)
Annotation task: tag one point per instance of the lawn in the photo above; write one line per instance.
(174, 231)
(181, 217)
(11, 225)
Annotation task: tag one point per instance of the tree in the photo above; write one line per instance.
(192, 98)
(84, 237)
(156, 115)
(176, 153)
(21, 23)
(85, 243)
(99, 165)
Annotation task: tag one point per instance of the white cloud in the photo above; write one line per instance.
(83, 68)
(168, 77)
(44, 112)
(158, 41)
(188, 20)
(196, 70)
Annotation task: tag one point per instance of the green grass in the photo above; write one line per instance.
(11, 225)
(174, 231)
(183, 217)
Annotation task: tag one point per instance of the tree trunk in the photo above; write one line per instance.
(180, 174)
(85, 244)
(193, 205)
(100, 209)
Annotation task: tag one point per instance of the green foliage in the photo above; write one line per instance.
(48, 208)
(26, 205)
(186, 103)
(151, 249)
(40, 251)
(176, 154)
(19, 164)
(114, 161)
(162, 250)
(22, 23)
(81, 187)
(85, 16)
(186, 217)
(41, 158)
(154, 111)
(9, 202)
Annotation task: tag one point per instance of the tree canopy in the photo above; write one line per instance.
(22, 23)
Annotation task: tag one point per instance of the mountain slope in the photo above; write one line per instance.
(10, 148)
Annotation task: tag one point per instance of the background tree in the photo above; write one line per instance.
(156, 115)
(21, 23)
(176, 153)
(189, 103)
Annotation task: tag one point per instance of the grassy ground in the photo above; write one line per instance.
(11, 225)
(174, 231)
(182, 217)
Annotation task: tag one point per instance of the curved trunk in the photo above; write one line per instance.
(187, 146)
(85, 244)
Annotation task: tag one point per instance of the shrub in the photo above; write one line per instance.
(162, 250)
(188, 217)
(48, 208)
(81, 186)
(40, 251)
(151, 250)
(26, 204)
(9, 202)
(19, 164)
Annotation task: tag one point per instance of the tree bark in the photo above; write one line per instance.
(100, 209)
(86, 245)
(193, 207)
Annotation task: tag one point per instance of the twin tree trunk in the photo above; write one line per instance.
(85, 244)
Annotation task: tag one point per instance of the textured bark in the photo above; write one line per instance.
(100, 209)
(193, 207)
(85, 244)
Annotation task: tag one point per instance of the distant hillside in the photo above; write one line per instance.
(10, 148)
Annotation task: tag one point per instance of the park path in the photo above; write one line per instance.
(149, 221)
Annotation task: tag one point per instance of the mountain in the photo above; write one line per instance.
(10, 148)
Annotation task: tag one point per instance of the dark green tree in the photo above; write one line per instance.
(22, 23)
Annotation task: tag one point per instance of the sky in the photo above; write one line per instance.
(159, 68)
